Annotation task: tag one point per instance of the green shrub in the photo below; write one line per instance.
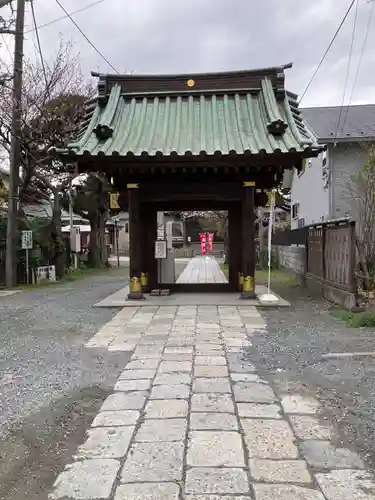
(356, 320)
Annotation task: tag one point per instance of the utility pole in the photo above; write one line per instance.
(15, 155)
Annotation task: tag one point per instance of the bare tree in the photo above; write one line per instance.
(52, 110)
(361, 188)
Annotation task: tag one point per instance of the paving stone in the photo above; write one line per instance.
(137, 374)
(178, 350)
(208, 346)
(241, 366)
(153, 462)
(212, 402)
(283, 492)
(148, 491)
(246, 377)
(254, 410)
(205, 480)
(323, 455)
(133, 385)
(86, 480)
(279, 471)
(121, 347)
(178, 391)
(106, 442)
(168, 408)
(215, 449)
(306, 427)
(207, 353)
(160, 430)
(249, 392)
(142, 364)
(215, 497)
(211, 385)
(213, 421)
(210, 360)
(178, 357)
(116, 418)
(295, 403)
(269, 439)
(210, 371)
(347, 485)
(172, 378)
(125, 401)
(175, 366)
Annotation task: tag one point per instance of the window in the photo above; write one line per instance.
(295, 210)
(126, 227)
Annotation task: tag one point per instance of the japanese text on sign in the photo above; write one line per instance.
(27, 240)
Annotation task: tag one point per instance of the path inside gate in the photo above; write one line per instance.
(203, 269)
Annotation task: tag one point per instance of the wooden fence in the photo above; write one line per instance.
(331, 254)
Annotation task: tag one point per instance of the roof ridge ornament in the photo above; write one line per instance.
(277, 127)
(103, 132)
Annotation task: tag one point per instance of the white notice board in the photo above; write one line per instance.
(160, 249)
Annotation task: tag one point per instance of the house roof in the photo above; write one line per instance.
(356, 122)
(222, 113)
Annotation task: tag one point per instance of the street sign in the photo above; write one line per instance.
(27, 240)
(160, 249)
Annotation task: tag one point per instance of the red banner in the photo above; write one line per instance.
(203, 239)
(210, 241)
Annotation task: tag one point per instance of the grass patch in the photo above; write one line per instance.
(72, 275)
(355, 320)
(279, 278)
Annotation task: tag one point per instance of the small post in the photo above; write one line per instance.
(27, 265)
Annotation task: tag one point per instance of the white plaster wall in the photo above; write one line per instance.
(308, 189)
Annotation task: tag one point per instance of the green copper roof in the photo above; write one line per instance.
(193, 123)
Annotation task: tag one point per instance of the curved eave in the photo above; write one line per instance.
(304, 153)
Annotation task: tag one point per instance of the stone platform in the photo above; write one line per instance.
(198, 270)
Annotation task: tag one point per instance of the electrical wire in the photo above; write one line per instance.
(6, 46)
(360, 60)
(40, 48)
(347, 71)
(61, 18)
(327, 50)
(86, 37)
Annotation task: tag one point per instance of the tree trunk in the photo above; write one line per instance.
(94, 249)
(59, 251)
(102, 239)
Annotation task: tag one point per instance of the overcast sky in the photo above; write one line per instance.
(172, 36)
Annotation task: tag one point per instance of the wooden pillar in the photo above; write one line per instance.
(150, 230)
(234, 245)
(248, 240)
(135, 246)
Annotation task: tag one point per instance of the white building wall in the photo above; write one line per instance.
(309, 192)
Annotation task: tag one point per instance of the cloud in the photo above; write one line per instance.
(172, 36)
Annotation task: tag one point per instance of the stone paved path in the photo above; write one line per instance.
(202, 270)
(190, 419)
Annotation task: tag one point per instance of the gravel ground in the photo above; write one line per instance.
(290, 354)
(50, 386)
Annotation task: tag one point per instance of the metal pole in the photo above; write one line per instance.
(117, 250)
(15, 155)
(27, 266)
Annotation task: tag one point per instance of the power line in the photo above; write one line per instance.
(327, 50)
(360, 60)
(347, 70)
(40, 48)
(86, 37)
(6, 46)
(61, 18)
